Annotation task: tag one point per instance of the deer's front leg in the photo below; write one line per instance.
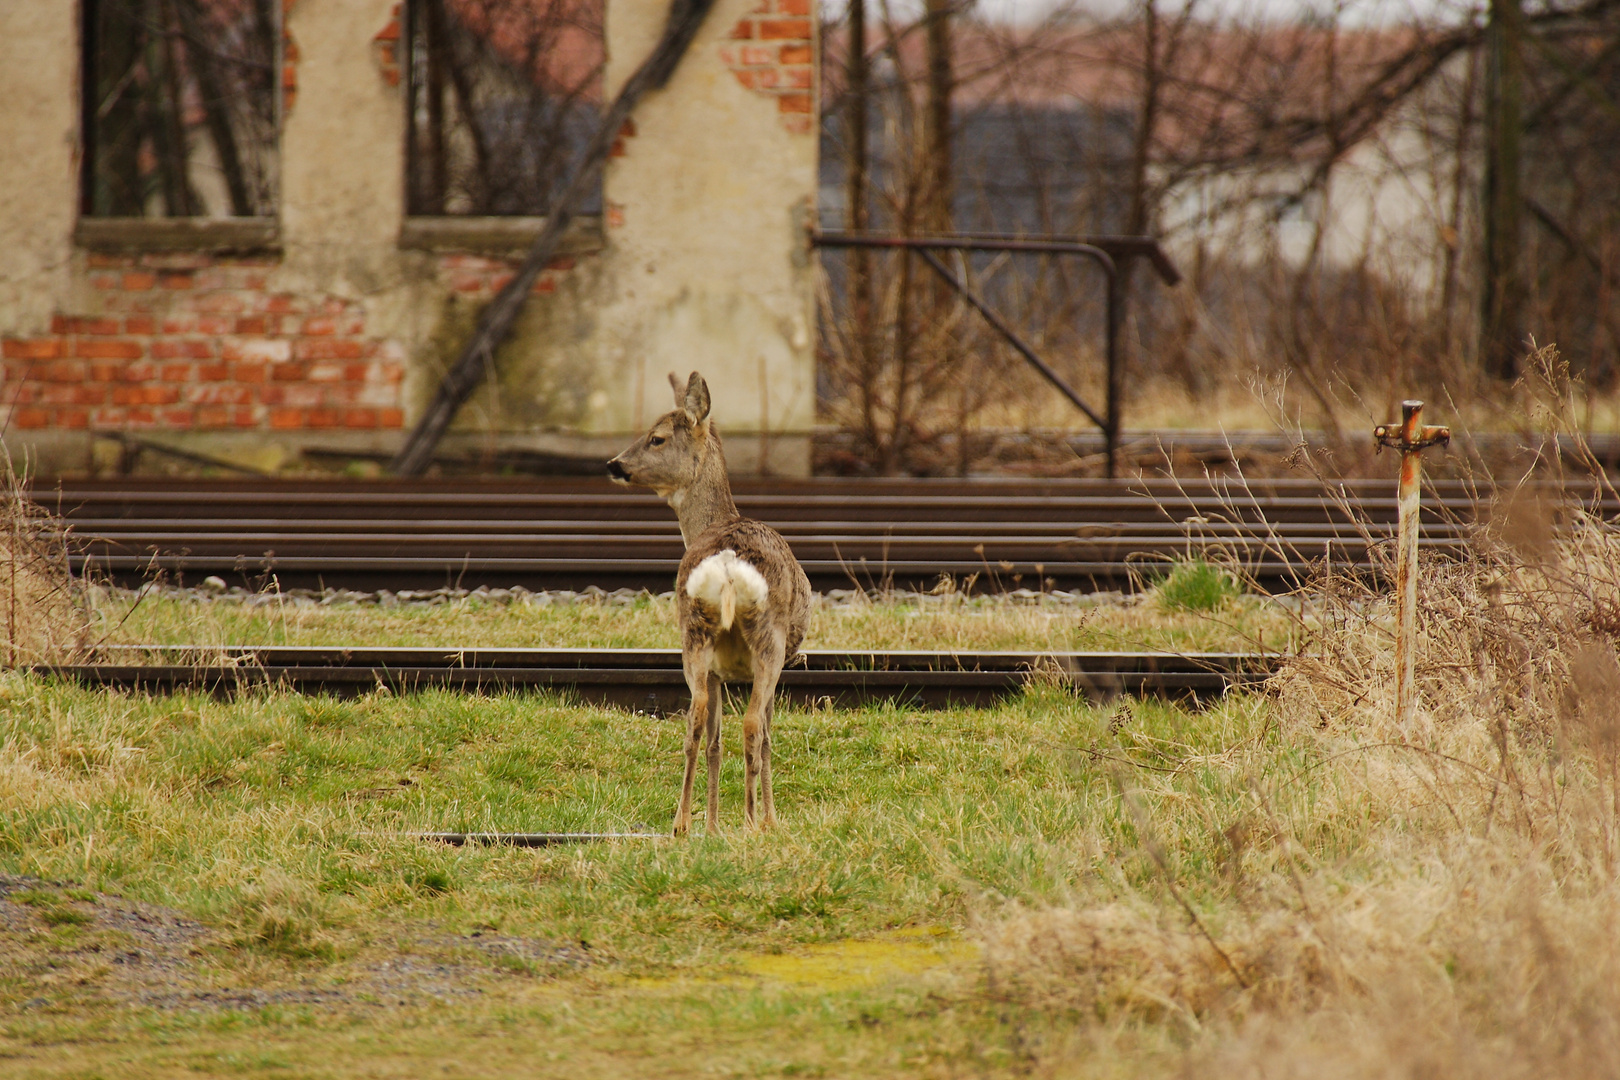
(697, 720)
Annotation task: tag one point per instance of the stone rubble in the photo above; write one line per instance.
(215, 590)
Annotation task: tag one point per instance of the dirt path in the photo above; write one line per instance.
(63, 949)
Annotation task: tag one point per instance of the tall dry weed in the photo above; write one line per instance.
(1436, 900)
(45, 614)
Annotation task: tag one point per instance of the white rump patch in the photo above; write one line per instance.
(727, 583)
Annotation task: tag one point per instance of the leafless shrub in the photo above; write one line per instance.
(185, 118)
(1436, 900)
(503, 96)
(1320, 183)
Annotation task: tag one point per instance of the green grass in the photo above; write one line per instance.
(850, 941)
(649, 622)
(284, 824)
(892, 816)
(1196, 586)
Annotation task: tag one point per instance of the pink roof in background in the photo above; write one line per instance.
(1256, 86)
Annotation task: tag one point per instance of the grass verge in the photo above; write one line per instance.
(647, 621)
(273, 832)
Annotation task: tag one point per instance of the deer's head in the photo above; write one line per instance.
(671, 455)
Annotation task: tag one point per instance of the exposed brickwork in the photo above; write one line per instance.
(478, 277)
(193, 342)
(289, 60)
(385, 49)
(198, 342)
(627, 130)
(771, 51)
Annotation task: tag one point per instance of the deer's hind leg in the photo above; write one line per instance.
(717, 700)
(769, 654)
(703, 716)
(766, 798)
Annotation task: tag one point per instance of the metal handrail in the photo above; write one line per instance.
(1107, 252)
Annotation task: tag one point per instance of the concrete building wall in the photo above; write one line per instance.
(39, 66)
(330, 326)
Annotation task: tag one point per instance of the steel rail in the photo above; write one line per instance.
(572, 534)
(658, 575)
(652, 681)
(896, 510)
(741, 485)
(1054, 521)
(269, 491)
(123, 535)
(900, 500)
(667, 551)
(538, 490)
(474, 541)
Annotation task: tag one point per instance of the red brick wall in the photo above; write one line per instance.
(203, 343)
(772, 51)
(197, 342)
(480, 277)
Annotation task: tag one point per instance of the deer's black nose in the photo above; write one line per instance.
(617, 470)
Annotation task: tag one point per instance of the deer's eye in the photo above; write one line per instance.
(655, 440)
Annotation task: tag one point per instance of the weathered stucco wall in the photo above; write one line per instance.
(706, 263)
(342, 188)
(724, 283)
(39, 66)
(336, 337)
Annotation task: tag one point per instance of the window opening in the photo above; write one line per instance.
(502, 95)
(180, 111)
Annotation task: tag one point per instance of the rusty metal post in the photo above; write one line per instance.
(1410, 438)
(1117, 282)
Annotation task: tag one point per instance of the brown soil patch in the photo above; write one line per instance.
(63, 949)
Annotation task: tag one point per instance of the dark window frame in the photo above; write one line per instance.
(233, 234)
(416, 190)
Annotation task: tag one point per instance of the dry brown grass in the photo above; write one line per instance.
(1441, 900)
(44, 613)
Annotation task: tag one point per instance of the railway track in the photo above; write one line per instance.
(1150, 449)
(651, 680)
(999, 533)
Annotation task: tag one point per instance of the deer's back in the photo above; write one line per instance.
(763, 548)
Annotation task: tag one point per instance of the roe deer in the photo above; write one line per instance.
(742, 597)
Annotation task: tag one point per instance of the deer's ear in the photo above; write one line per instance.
(679, 387)
(697, 398)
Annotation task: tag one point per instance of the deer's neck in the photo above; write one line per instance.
(706, 502)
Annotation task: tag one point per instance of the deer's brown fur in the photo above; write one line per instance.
(742, 598)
